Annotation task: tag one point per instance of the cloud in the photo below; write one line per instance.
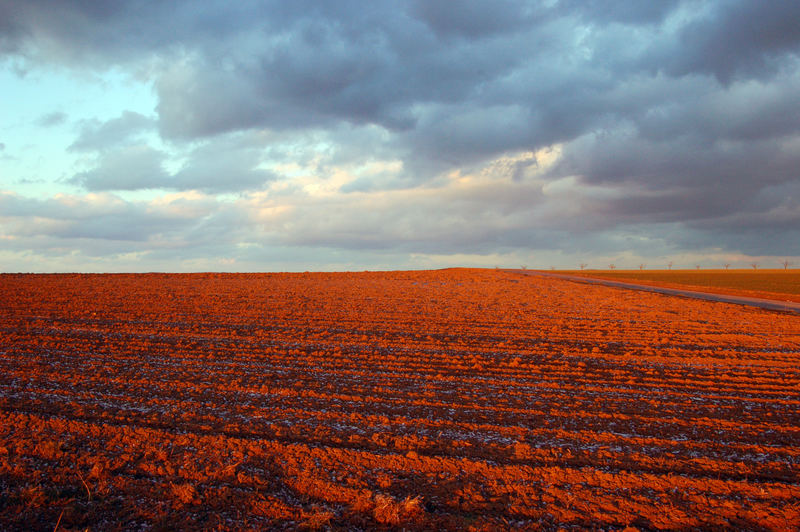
(620, 11)
(97, 135)
(403, 67)
(739, 40)
(226, 164)
(100, 216)
(197, 99)
(133, 167)
(223, 164)
(77, 33)
(399, 126)
(473, 19)
(52, 119)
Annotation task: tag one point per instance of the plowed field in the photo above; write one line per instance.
(455, 399)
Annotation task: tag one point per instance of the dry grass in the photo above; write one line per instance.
(391, 512)
(317, 520)
(185, 493)
(768, 284)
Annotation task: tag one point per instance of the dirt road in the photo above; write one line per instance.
(769, 304)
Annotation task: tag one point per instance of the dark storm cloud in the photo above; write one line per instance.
(622, 11)
(625, 158)
(471, 19)
(284, 65)
(300, 64)
(684, 112)
(100, 33)
(749, 39)
(745, 112)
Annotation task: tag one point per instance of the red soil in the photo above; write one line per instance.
(460, 399)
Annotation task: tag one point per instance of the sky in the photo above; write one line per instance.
(349, 135)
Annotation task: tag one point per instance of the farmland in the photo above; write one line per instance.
(782, 285)
(453, 399)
